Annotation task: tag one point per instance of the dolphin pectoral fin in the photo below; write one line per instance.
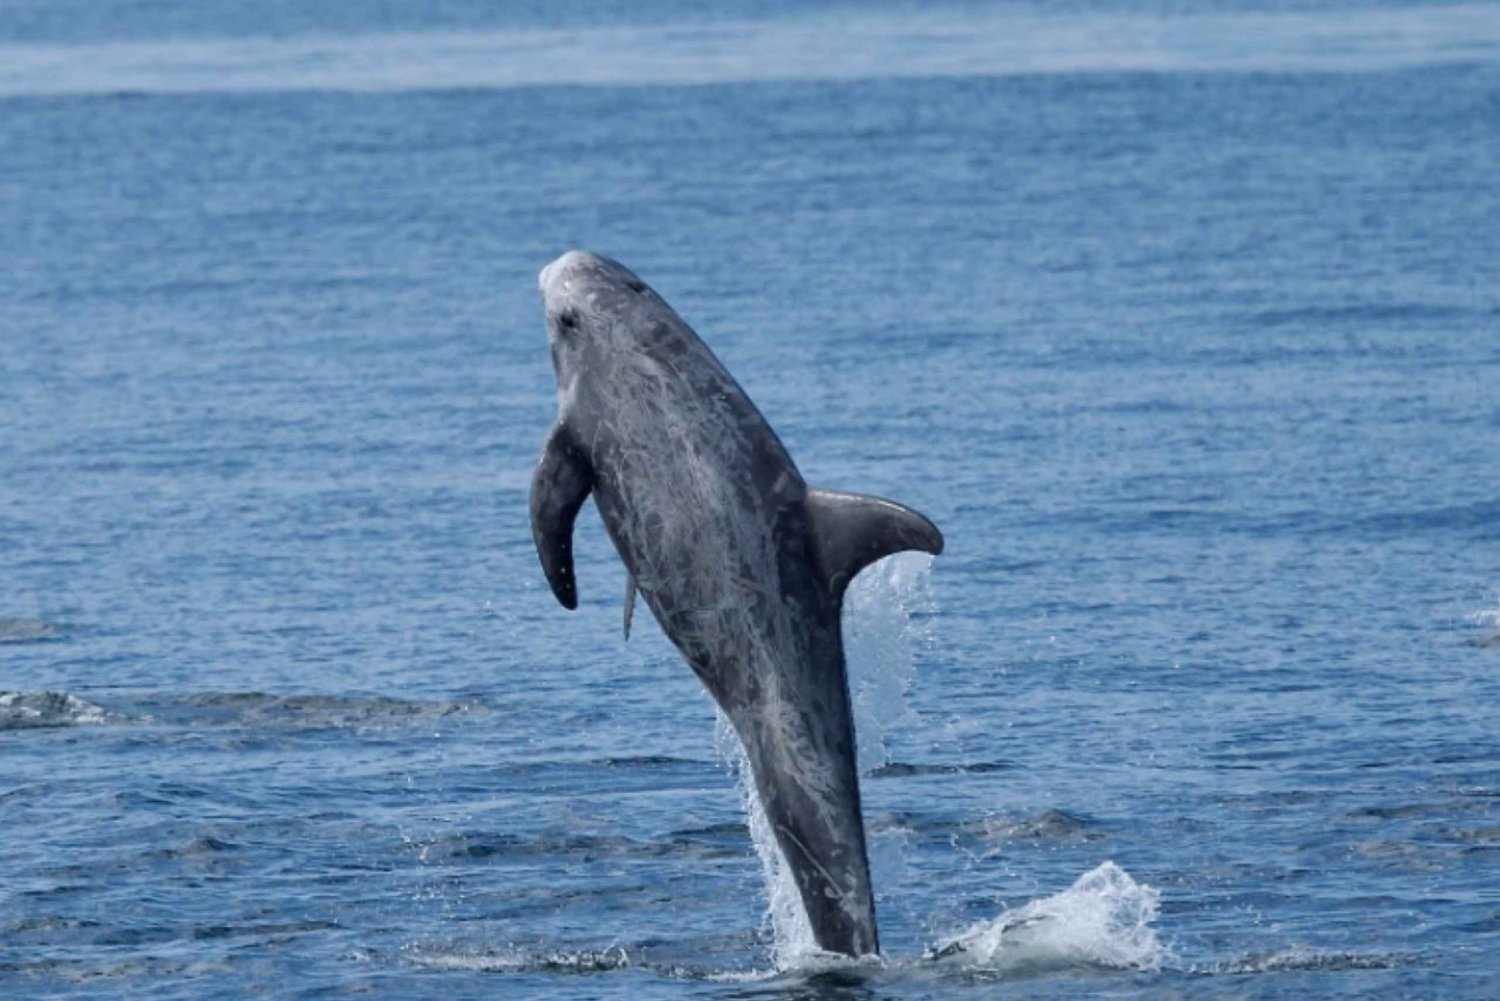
(559, 486)
(629, 601)
(851, 531)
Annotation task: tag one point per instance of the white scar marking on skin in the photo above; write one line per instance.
(833, 886)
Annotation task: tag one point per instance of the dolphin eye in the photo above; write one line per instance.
(637, 287)
(568, 319)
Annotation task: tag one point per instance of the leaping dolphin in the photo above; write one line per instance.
(742, 563)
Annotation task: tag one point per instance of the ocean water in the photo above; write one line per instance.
(1183, 323)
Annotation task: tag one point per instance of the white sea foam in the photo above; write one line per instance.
(853, 45)
(1103, 920)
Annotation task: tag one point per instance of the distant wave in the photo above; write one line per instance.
(511, 959)
(903, 769)
(1296, 959)
(939, 42)
(26, 631)
(261, 709)
(706, 843)
(251, 710)
(1047, 825)
(35, 710)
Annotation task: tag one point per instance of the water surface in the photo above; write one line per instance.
(1192, 358)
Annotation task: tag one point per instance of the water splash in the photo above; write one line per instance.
(792, 942)
(1489, 619)
(887, 620)
(1103, 920)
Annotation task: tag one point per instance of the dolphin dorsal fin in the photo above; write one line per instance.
(559, 486)
(851, 531)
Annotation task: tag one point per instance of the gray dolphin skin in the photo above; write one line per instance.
(742, 563)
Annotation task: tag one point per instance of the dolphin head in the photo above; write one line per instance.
(590, 299)
(602, 318)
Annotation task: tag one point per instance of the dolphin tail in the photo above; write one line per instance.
(809, 789)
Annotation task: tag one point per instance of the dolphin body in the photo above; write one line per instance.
(743, 564)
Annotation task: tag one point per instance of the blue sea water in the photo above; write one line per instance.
(1183, 324)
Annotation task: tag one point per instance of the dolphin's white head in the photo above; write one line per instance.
(594, 306)
(579, 289)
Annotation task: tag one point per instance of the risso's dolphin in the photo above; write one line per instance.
(743, 564)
